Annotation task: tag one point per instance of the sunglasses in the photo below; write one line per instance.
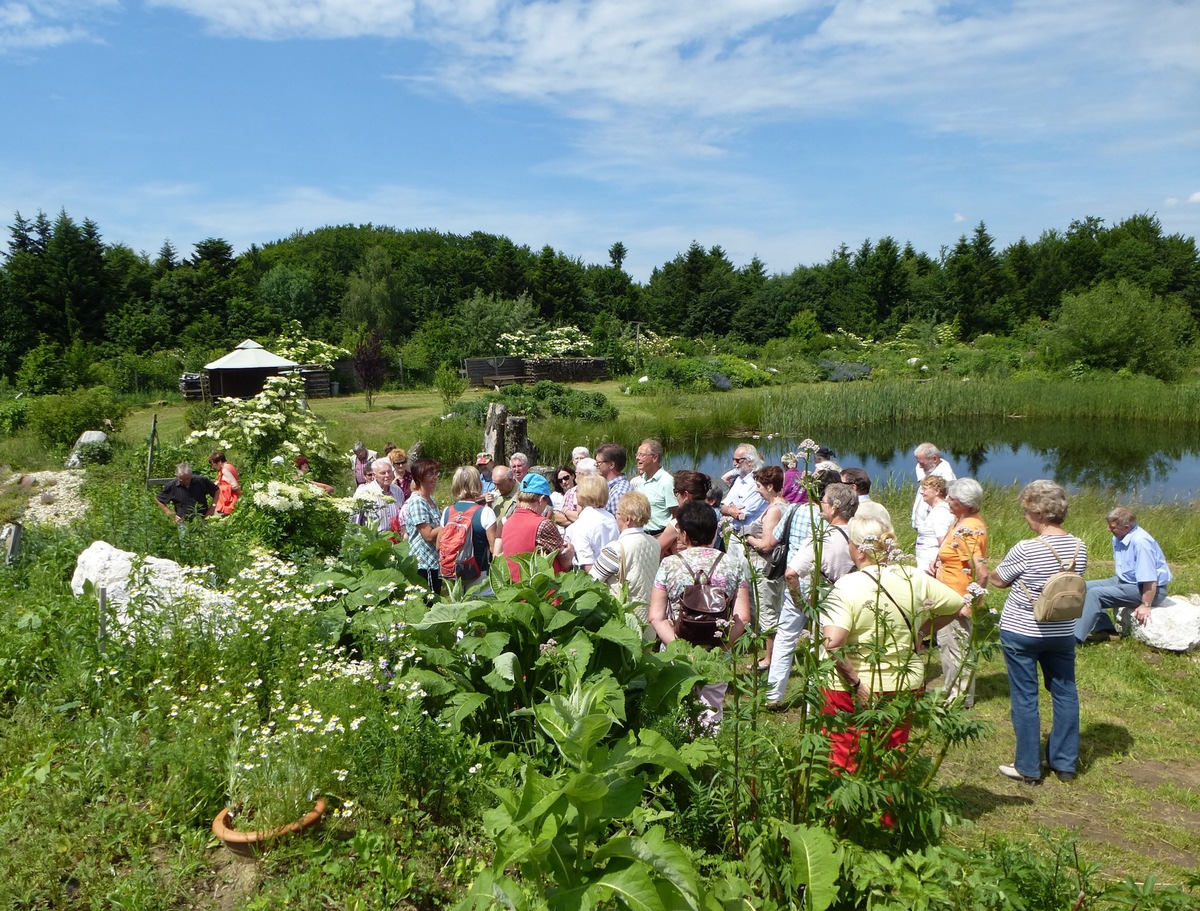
(565, 477)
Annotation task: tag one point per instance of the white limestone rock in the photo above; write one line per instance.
(1174, 626)
(88, 437)
(166, 594)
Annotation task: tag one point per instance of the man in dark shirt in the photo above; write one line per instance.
(187, 496)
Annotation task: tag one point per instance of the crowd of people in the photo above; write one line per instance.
(782, 551)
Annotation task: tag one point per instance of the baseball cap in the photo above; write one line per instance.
(535, 483)
(483, 458)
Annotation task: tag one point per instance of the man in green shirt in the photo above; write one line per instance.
(656, 483)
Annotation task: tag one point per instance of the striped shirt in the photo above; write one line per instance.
(1031, 563)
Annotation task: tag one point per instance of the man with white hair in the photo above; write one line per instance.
(929, 464)
(374, 495)
(743, 504)
(578, 454)
(519, 463)
(186, 495)
(657, 484)
(1140, 583)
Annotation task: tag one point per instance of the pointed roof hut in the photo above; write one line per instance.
(243, 371)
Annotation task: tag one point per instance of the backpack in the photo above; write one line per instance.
(456, 546)
(778, 557)
(703, 611)
(1063, 594)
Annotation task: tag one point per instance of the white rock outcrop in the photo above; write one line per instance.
(161, 587)
(1174, 626)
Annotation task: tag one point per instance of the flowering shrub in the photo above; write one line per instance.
(293, 345)
(562, 341)
(290, 518)
(274, 422)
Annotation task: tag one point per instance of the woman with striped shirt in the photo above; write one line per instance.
(1028, 643)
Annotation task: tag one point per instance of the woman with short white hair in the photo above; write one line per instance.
(961, 560)
(595, 527)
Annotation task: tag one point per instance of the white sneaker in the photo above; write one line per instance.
(1010, 771)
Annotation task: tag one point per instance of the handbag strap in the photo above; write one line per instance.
(787, 526)
(907, 620)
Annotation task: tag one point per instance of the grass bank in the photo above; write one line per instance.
(1135, 399)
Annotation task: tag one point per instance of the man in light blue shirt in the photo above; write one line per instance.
(657, 484)
(744, 504)
(1140, 582)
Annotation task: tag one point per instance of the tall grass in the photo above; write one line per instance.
(858, 404)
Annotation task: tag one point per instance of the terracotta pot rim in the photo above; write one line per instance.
(223, 830)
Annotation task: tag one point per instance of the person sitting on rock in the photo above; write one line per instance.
(1141, 579)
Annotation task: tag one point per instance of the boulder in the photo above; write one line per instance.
(1174, 626)
(160, 586)
(87, 438)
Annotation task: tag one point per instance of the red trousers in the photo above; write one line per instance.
(843, 744)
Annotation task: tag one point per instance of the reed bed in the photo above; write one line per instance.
(1137, 400)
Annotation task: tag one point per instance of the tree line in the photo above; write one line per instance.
(69, 300)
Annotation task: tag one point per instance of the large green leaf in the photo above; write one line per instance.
(667, 859)
(490, 645)
(816, 862)
(561, 619)
(461, 707)
(503, 676)
(631, 886)
(441, 614)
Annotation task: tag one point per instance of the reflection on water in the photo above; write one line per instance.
(1148, 462)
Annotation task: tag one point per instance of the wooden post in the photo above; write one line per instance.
(494, 433)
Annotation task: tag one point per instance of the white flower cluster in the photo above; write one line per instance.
(293, 345)
(281, 497)
(561, 341)
(274, 422)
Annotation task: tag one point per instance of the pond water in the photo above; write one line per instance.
(1149, 463)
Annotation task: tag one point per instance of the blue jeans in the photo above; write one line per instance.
(1056, 655)
(1106, 594)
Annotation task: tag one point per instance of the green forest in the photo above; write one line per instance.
(76, 310)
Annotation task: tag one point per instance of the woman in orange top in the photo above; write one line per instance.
(229, 488)
(961, 560)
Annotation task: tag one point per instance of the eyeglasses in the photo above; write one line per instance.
(565, 477)
(740, 459)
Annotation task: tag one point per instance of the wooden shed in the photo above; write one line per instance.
(244, 370)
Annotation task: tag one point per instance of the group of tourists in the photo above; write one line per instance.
(765, 548)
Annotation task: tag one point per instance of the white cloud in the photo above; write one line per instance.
(40, 24)
(280, 19)
(1195, 197)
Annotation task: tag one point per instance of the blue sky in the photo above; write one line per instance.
(776, 129)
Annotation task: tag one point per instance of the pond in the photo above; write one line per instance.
(1148, 463)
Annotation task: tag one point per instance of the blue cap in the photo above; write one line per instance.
(535, 483)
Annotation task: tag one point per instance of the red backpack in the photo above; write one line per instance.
(456, 546)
